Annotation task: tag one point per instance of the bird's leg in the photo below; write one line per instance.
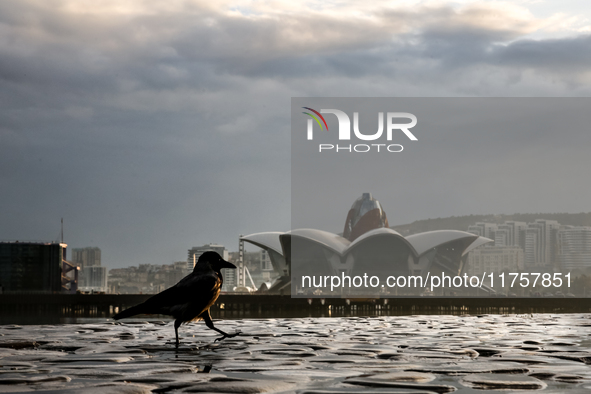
(207, 319)
(177, 324)
(225, 335)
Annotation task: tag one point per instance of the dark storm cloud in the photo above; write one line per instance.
(151, 132)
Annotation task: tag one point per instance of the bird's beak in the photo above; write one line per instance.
(226, 264)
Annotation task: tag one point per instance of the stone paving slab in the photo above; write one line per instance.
(403, 354)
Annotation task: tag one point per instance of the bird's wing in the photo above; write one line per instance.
(194, 292)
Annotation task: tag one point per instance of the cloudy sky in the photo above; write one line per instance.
(153, 128)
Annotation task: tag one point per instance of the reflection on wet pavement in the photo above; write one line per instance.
(402, 354)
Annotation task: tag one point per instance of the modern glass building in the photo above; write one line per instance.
(31, 267)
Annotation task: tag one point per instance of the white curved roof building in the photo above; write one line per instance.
(377, 251)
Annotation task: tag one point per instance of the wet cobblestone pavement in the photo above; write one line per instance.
(404, 354)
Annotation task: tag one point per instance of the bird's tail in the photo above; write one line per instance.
(134, 310)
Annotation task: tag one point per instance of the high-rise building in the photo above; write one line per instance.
(482, 229)
(542, 252)
(32, 267)
(515, 233)
(574, 247)
(94, 279)
(539, 240)
(86, 257)
(532, 246)
(502, 237)
(197, 251)
(510, 233)
(230, 279)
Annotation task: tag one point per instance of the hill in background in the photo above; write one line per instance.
(462, 222)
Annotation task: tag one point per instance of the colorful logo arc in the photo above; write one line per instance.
(315, 118)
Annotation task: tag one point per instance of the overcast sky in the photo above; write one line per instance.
(154, 128)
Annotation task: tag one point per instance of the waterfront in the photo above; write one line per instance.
(388, 354)
(68, 308)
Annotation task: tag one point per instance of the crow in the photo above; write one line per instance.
(191, 298)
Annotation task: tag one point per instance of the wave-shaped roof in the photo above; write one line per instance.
(325, 238)
(417, 243)
(381, 232)
(267, 240)
(423, 242)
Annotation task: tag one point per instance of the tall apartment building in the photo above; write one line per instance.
(197, 251)
(483, 229)
(574, 248)
(230, 279)
(86, 257)
(532, 247)
(539, 240)
(542, 243)
(502, 237)
(510, 233)
(93, 279)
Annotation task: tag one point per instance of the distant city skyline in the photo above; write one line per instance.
(502, 231)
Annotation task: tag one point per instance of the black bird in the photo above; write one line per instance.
(190, 299)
